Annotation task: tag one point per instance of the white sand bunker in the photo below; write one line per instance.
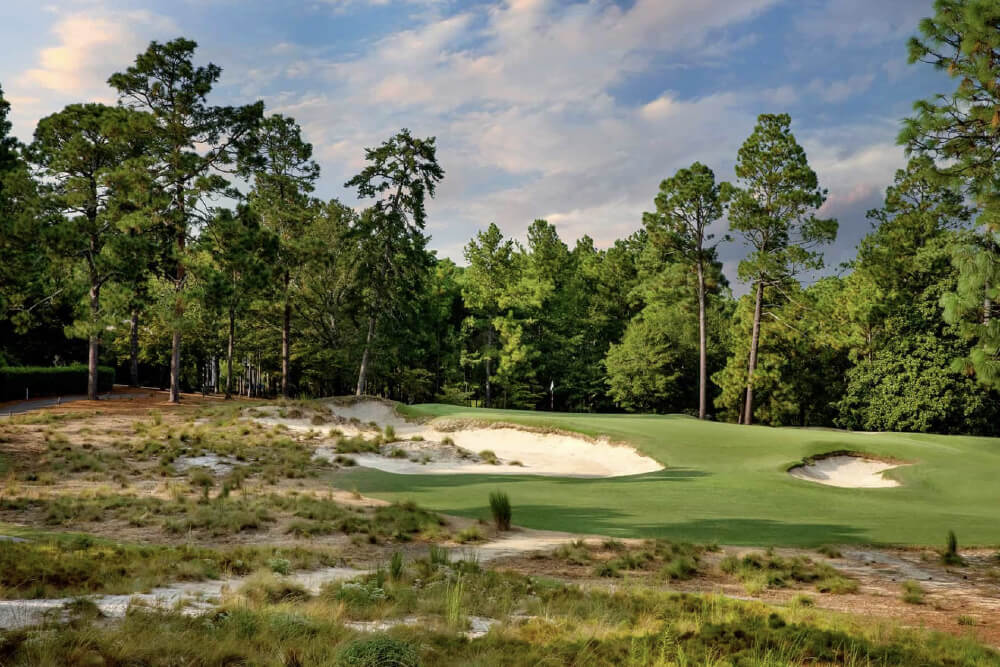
(846, 470)
(444, 447)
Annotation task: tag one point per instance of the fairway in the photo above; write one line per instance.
(728, 484)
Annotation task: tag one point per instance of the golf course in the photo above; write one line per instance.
(727, 484)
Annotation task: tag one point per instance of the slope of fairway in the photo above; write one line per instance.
(729, 484)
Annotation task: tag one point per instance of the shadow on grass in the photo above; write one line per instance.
(735, 531)
(377, 481)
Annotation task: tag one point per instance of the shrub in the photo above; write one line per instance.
(50, 381)
(500, 508)
(380, 651)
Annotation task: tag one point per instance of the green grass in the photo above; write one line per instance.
(728, 484)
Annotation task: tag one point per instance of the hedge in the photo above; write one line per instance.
(50, 381)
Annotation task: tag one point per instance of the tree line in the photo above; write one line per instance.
(182, 243)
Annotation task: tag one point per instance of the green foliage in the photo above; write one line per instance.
(51, 381)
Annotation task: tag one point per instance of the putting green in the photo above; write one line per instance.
(728, 484)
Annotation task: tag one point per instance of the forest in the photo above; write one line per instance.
(181, 243)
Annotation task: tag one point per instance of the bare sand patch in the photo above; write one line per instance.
(847, 471)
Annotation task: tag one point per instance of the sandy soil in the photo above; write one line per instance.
(518, 451)
(847, 471)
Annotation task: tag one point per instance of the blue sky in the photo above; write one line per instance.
(569, 110)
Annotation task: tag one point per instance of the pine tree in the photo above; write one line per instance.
(774, 209)
(960, 131)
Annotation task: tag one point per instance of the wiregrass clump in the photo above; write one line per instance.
(501, 510)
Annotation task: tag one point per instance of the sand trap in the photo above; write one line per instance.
(443, 447)
(855, 472)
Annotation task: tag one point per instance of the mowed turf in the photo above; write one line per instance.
(728, 484)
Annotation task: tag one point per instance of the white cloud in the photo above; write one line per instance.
(90, 47)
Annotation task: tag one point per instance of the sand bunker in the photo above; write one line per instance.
(845, 470)
(442, 447)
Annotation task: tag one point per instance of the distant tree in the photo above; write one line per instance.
(774, 209)
(194, 143)
(960, 131)
(239, 262)
(401, 173)
(687, 204)
(486, 281)
(284, 174)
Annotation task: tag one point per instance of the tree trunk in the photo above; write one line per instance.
(754, 340)
(133, 334)
(175, 345)
(230, 342)
(489, 348)
(286, 333)
(95, 295)
(702, 345)
(987, 306)
(364, 357)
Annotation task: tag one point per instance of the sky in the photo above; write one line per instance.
(568, 110)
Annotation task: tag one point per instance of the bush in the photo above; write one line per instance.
(378, 651)
(500, 508)
(50, 381)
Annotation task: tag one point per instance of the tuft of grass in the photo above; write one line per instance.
(501, 510)
(470, 534)
(829, 551)
(967, 620)
(489, 456)
(396, 565)
(390, 433)
(951, 555)
(760, 571)
(913, 593)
